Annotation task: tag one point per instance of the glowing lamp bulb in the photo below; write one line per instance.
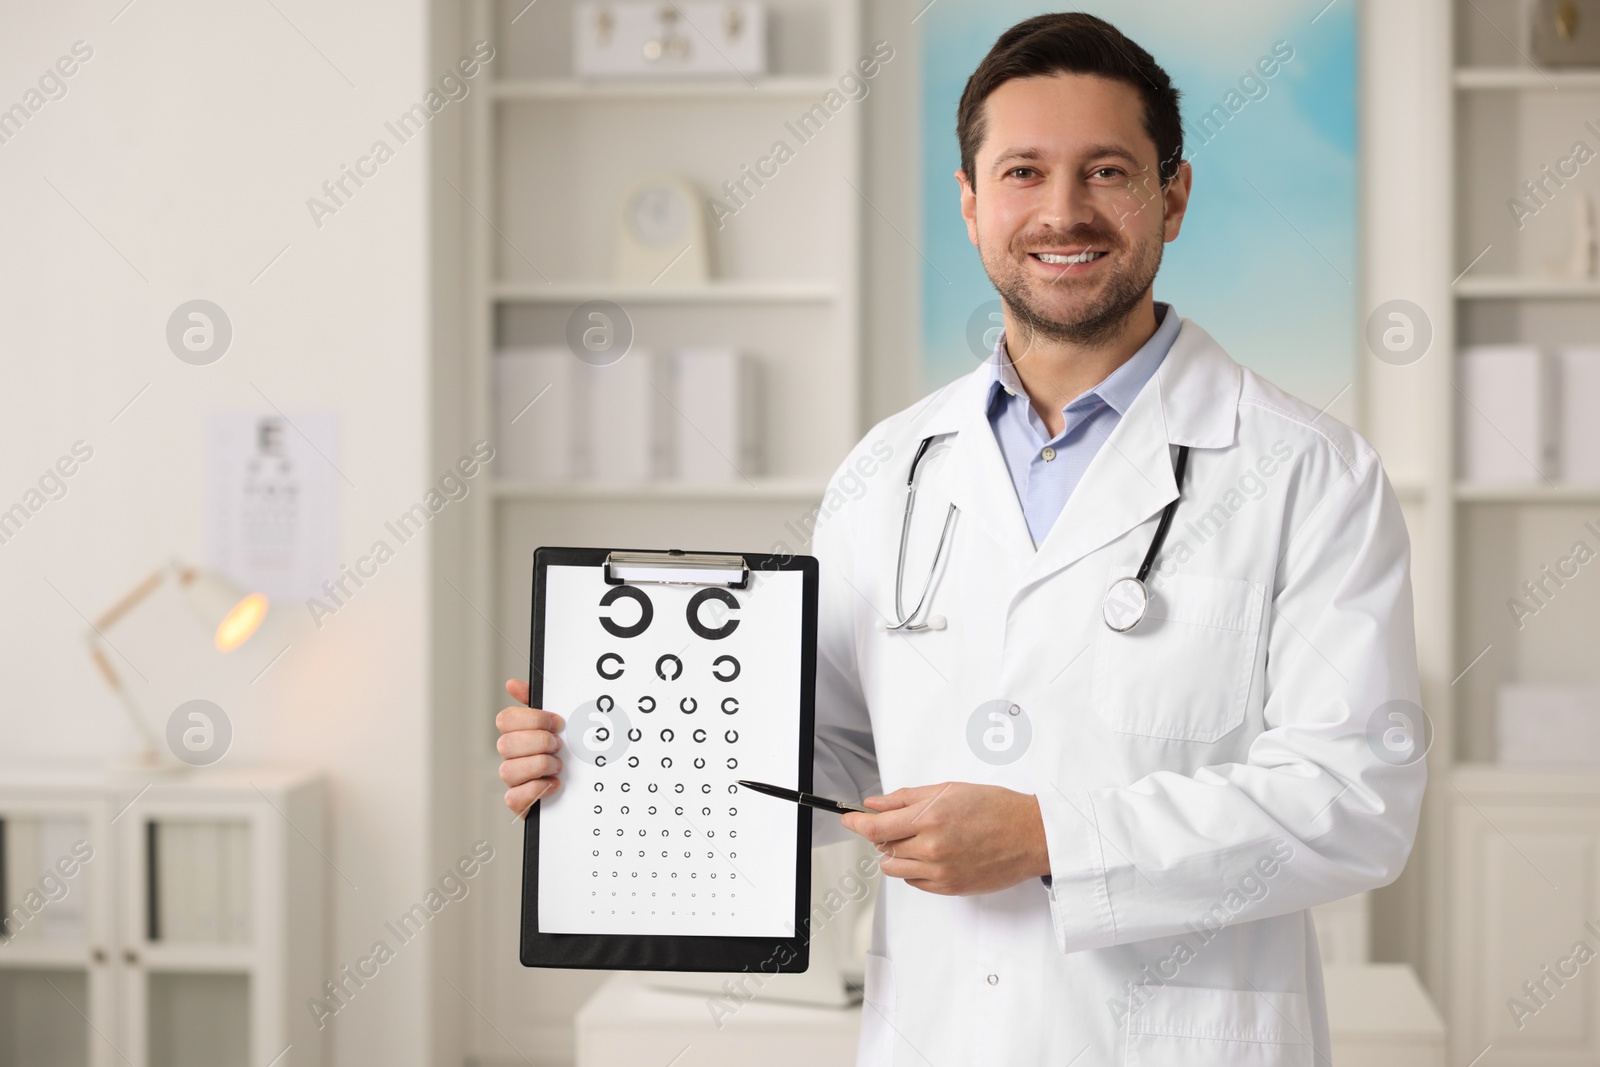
(240, 622)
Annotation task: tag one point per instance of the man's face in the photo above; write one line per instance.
(1066, 168)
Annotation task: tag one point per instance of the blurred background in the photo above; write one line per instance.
(314, 323)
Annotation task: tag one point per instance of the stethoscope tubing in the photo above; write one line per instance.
(1166, 515)
(907, 621)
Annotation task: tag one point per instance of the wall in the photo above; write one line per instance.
(178, 165)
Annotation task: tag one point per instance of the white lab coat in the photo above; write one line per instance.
(1203, 779)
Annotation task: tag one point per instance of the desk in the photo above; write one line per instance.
(627, 1024)
(1378, 1016)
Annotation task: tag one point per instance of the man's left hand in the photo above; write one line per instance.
(956, 839)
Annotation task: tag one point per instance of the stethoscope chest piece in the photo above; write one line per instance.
(1129, 598)
(1126, 602)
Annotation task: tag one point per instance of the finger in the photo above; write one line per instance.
(860, 823)
(518, 718)
(514, 772)
(929, 885)
(527, 743)
(876, 829)
(892, 825)
(907, 869)
(520, 798)
(900, 798)
(518, 689)
(902, 848)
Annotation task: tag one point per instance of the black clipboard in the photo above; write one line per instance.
(668, 952)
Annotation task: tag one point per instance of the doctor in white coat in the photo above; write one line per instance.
(1104, 808)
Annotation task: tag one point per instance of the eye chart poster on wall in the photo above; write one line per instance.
(272, 500)
(650, 856)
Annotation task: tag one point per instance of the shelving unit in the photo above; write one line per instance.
(1509, 120)
(1473, 120)
(785, 290)
(213, 971)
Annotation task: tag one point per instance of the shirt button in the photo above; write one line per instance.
(1048, 453)
(994, 979)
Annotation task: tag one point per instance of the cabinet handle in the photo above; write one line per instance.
(129, 956)
(98, 955)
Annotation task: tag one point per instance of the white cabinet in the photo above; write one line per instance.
(160, 920)
(1524, 895)
(1378, 1016)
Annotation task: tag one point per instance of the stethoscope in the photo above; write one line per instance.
(1127, 599)
(907, 622)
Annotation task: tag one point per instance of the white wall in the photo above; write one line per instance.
(177, 166)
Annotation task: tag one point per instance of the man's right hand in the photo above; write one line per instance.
(529, 738)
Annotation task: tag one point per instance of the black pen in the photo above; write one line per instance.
(809, 800)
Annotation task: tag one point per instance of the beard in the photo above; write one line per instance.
(1127, 279)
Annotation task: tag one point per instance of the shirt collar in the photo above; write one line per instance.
(1117, 389)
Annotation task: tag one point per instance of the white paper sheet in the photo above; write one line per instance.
(713, 859)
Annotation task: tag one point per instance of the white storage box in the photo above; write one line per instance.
(1538, 723)
(1505, 414)
(535, 390)
(1578, 372)
(712, 422)
(620, 425)
(690, 37)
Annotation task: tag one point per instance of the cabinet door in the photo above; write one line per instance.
(189, 958)
(1525, 922)
(57, 1002)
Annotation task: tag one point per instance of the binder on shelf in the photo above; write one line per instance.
(31, 847)
(236, 880)
(1547, 723)
(619, 431)
(713, 429)
(1579, 373)
(198, 881)
(535, 418)
(1506, 415)
(692, 415)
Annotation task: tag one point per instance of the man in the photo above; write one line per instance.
(1112, 803)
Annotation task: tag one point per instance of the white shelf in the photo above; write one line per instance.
(1468, 492)
(573, 90)
(717, 292)
(1537, 78)
(757, 490)
(195, 959)
(1509, 287)
(23, 954)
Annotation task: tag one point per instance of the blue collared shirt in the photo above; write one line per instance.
(1045, 470)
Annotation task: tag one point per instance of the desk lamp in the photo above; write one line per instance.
(221, 607)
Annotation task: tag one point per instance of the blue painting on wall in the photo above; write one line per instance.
(1267, 260)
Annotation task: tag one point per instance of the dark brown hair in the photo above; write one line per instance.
(1071, 42)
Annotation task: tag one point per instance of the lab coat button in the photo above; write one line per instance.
(994, 979)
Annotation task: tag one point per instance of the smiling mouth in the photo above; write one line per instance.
(1088, 256)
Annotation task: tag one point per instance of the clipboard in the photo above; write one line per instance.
(677, 896)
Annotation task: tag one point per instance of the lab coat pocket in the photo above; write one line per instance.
(876, 1047)
(1183, 673)
(1183, 1026)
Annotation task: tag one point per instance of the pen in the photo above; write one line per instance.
(809, 800)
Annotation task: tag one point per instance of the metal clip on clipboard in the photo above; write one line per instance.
(676, 567)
